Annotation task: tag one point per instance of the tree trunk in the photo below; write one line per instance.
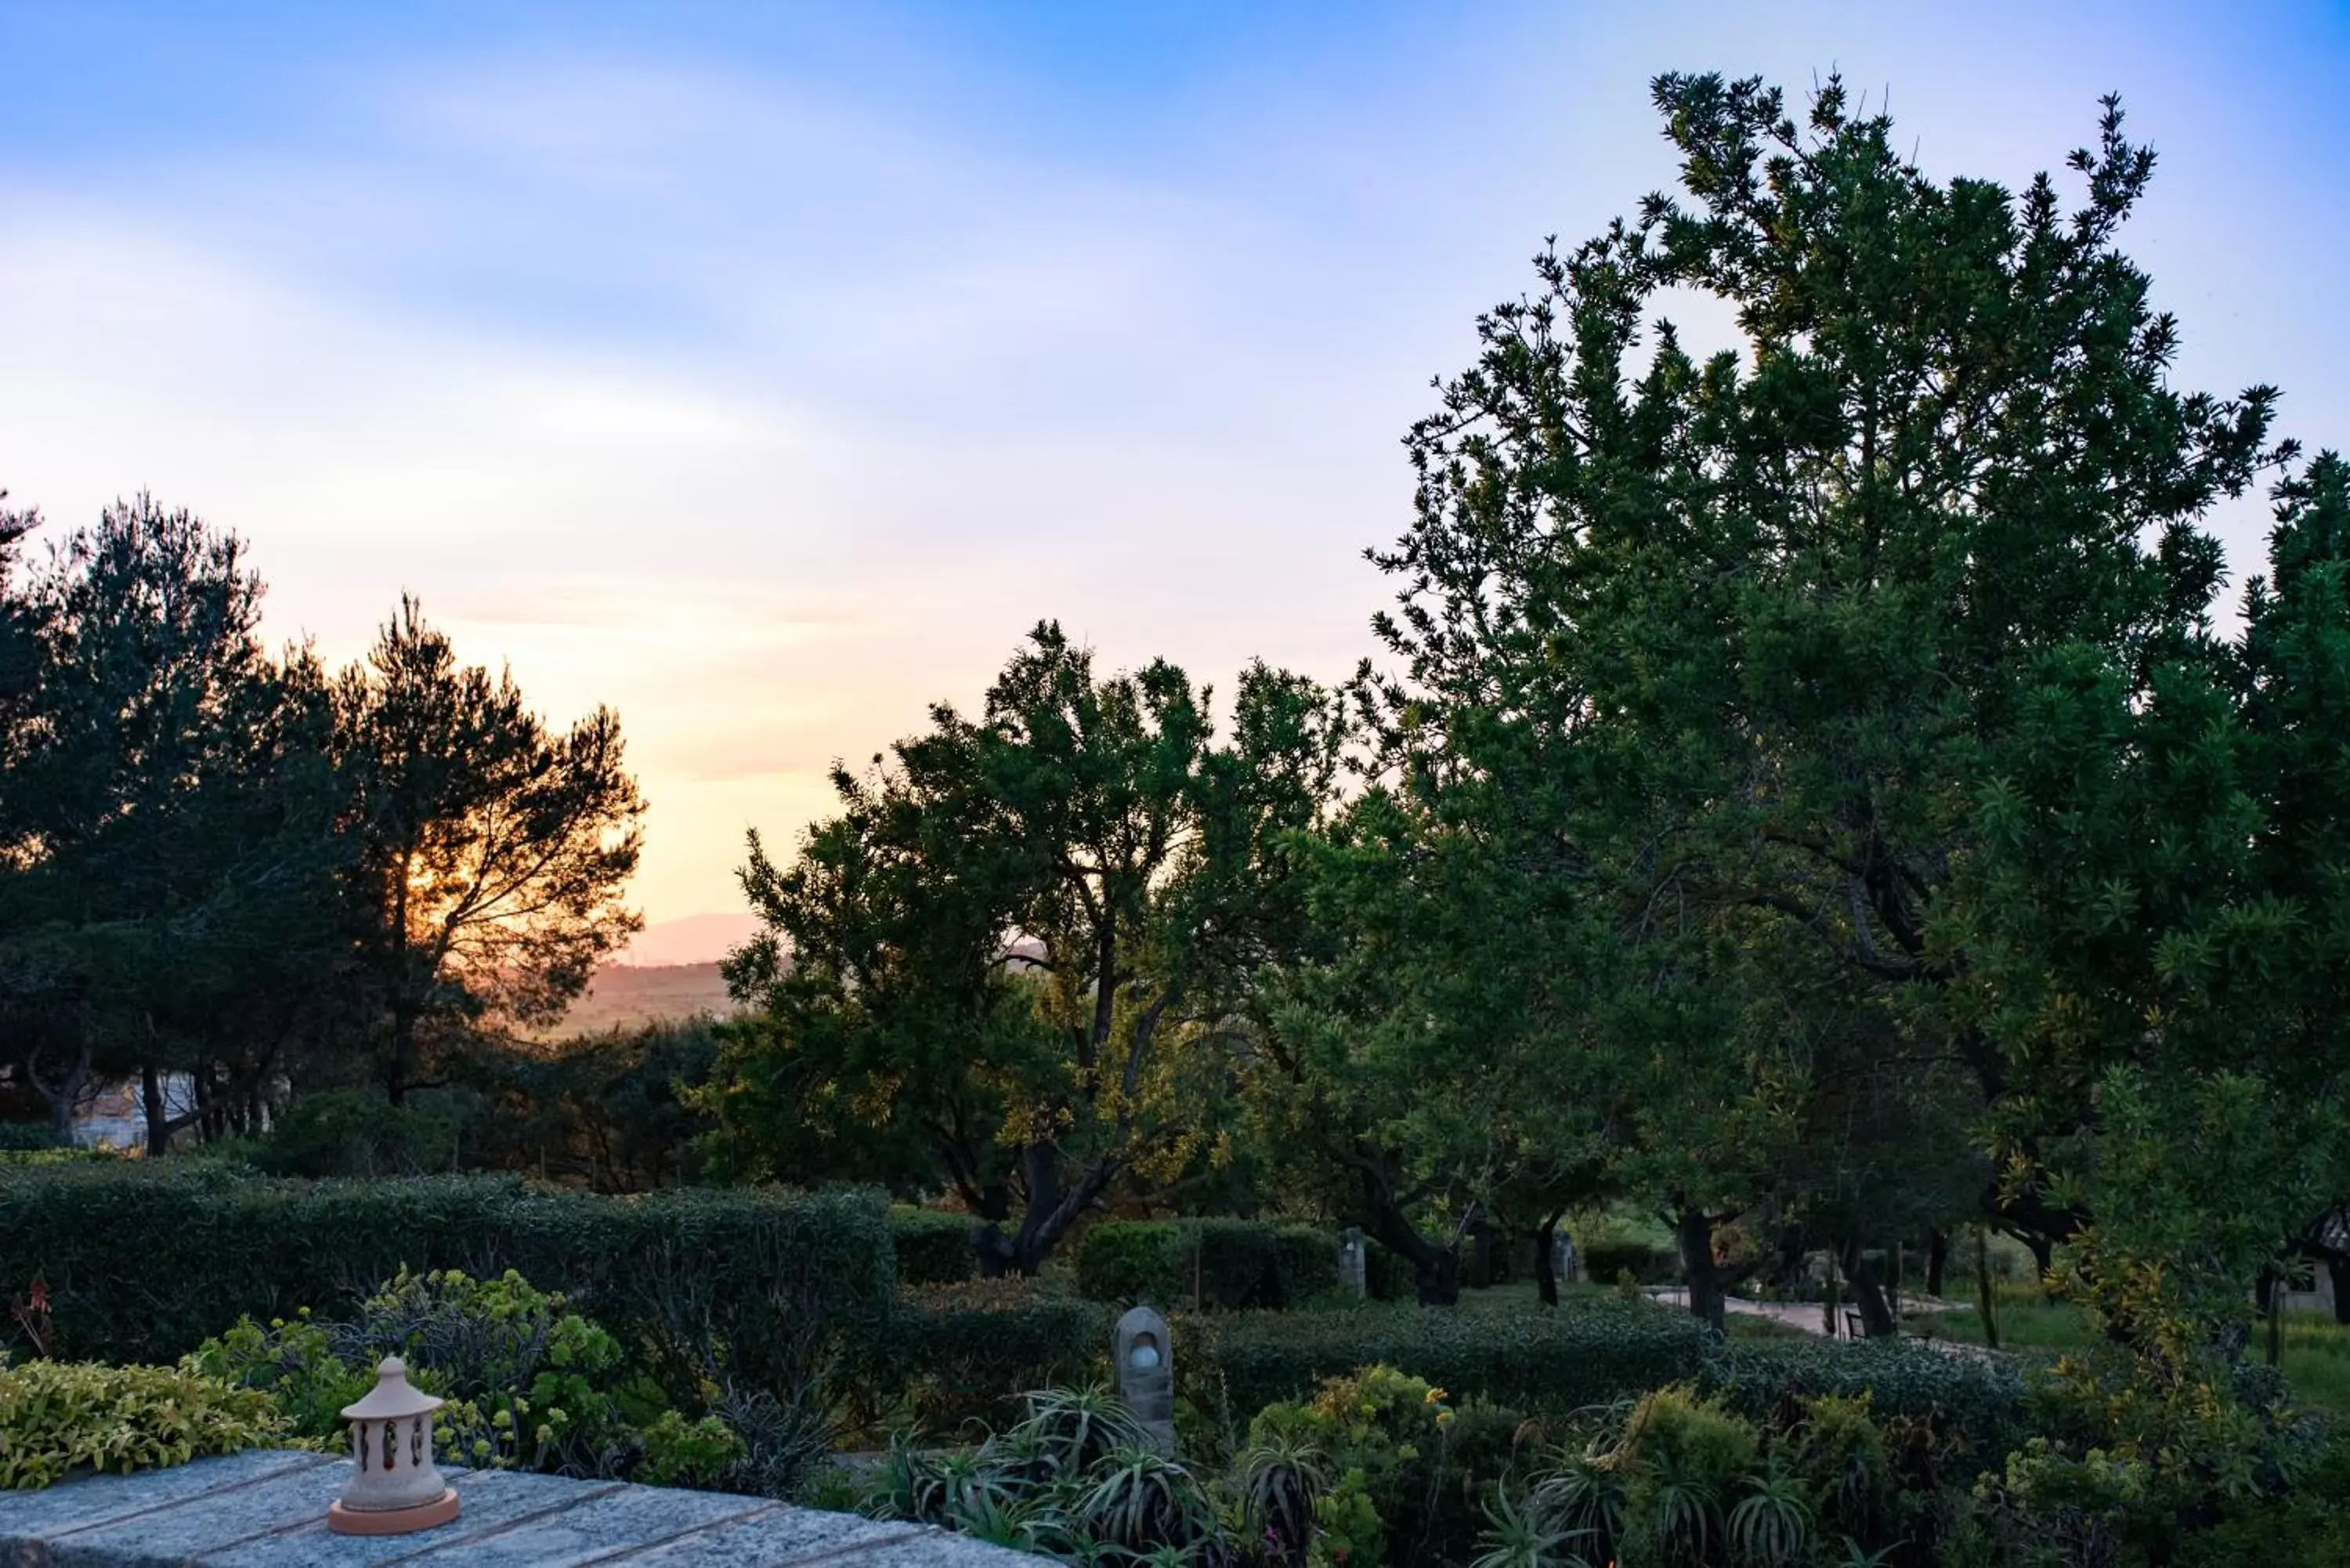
(1867, 1292)
(1436, 1269)
(1547, 1259)
(1986, 1293)
(63, 1096)
(401, 1069)
(159, 1123)
(1938, 1257)
(1707, 1298)
(2337, 1269)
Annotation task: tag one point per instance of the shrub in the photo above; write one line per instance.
(1216, 1264)
(57, 1417)
(933, 1248)
(1682, 1457)
(953, 1354)
(1978, 1400)
(1604, 1261)
(354, 1133)
(23, 1138)
(1544, 1361)
(755, 1289)
(1411, 1467)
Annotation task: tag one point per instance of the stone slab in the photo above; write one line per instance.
(776, 1537)
(490, 1502)
(588, 1532)
(267, 1510)
(90, 1500)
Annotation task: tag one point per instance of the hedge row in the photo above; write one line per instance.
(142, 1264)
(1553, 1361)
(1981, 1397)
(1217, 1265)
(933, 1248)
(1537, 1360)
(1604, 1262)
(967, 1350)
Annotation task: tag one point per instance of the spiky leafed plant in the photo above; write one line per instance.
(1002, 1517)
(1583, 1498)
(1077, 1427)
(1277, 1480)
(1856, 1555)
(1523, 1536)
(1141, 1500)
(1681, 1520)
(1771, 1525)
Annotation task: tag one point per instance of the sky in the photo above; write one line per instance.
(765, 372)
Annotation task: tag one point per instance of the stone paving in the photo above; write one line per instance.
(267, 1508)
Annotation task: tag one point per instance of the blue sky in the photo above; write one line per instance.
(764, 371)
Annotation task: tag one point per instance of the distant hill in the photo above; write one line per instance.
(626, 996)
(695, 940)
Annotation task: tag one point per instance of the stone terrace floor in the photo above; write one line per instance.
(267, 1508)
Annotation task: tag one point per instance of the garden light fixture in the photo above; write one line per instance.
(395, 1487)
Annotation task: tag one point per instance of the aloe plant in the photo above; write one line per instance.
(1771, 1527)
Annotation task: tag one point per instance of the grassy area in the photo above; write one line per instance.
(2317, 1349)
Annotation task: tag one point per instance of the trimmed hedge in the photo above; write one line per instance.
(1603, 1262)
(967, 1350)
(144, 1263)
(933, 1248)
(1221, 1265)
(1979, 1397)
(1539, 1361)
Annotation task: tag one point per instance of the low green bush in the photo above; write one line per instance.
(57, 1417)
(22, 1137)
(1408, 1467)
(953, 1354)
(1541, 1361)
(1217, 1265)
(355, 1133)
(1980, 1400)
(1606, 1262)
(529, 1384)
(760, 1290)
(933, 1248)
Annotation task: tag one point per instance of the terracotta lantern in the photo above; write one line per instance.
(394, 1487)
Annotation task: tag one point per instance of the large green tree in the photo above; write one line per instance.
(490, 851)
(1021, 954)
(1760, 628)
(167, 887)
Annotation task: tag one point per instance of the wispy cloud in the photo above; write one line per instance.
(768, 394)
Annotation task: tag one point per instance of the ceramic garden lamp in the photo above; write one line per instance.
(395, 1487)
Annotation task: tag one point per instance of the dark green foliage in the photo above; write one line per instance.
(1403, 1451)
(1541, 1362)
(951, 1353)
(1980, 1400)
(611, 1112)
(1212, 1264)
(1013, 950)
(360, 1133)
(1604, 1261)
(754, 1288)
(933, 1248)
(489, 850)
